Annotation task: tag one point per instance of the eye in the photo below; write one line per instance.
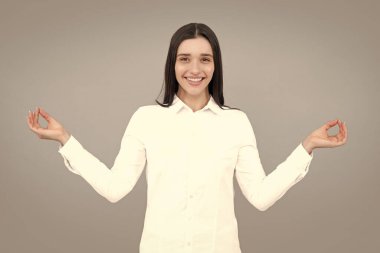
(206, 59)
(183, 59)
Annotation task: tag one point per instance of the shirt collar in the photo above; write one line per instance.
(178, 104)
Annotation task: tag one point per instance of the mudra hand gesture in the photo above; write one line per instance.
(321, 139)
(53, 131)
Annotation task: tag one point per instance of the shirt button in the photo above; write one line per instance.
(191, 196)
(188, 244)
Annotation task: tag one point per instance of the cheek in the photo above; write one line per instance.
(178, 71)
(210, 71)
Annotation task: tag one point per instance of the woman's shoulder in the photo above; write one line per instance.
(234, 112)
(143, 117)
(146, 112)
(146, 109)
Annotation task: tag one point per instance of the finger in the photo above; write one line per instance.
(345, 132)
(341, 129)
(32, 118)
(37, 113)
(35, 120)
(331, 123)
(45, 115)
(29, 119)
(31, 124)
(342, 136)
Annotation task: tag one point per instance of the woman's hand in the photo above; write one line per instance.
(320, 138)
(54, 129)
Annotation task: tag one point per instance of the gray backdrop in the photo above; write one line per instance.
(290, 65)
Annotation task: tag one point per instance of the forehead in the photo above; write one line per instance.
(198, 45)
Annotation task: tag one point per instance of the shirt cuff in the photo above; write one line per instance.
(67, 150)
(72, 147)
(306, 152)
(300, 160)
(301, 155)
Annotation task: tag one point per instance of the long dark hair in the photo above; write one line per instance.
(215, 87)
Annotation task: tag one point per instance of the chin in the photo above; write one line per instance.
(196, 92)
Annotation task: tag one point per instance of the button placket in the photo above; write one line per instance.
(193, 130)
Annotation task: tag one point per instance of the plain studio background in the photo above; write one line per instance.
(290, 65)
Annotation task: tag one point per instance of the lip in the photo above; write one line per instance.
(194, 83)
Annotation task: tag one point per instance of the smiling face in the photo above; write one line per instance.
(194, 67)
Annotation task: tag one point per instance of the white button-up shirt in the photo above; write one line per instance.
(191, 158)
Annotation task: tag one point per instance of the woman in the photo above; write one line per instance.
(192, 145)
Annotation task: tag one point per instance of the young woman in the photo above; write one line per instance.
(192, 145)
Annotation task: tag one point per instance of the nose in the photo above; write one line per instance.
(195, 67)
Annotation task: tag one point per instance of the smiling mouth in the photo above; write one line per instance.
(195, 79)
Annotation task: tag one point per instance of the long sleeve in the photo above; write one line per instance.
(262, 190)
(114, 183)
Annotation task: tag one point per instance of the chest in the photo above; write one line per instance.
(193, 139)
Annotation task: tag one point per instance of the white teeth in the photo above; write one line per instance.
(194, 79)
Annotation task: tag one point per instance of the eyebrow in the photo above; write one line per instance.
(189, 55)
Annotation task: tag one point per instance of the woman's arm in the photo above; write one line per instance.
(114, 183)
(262, 190)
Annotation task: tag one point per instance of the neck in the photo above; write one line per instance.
(194, 102)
